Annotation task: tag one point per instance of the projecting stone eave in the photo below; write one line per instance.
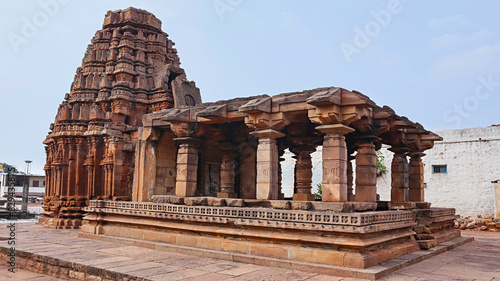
(431, 136)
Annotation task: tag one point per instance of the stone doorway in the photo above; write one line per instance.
(212, 179)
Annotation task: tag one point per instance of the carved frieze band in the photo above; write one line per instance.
(221, 214)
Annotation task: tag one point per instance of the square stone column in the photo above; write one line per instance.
(334, 162)
(145, 166)
(187, 166)
(416, 191)
(303, 173)
(399, 175)
(267, 164)
(366, 172)
(227, 176)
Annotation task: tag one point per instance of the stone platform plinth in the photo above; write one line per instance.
(435, 226)
(64, 254)
(355, 240)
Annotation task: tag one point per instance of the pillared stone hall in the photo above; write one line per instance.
(135, 153)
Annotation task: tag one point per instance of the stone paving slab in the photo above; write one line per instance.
(478, 260)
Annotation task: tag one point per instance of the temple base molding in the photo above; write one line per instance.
(355, 240)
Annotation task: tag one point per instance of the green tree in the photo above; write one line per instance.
(6, 167)
(319, 192)
(381, 168)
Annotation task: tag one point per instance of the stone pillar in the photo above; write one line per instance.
(366, 172)
(303, 173)
(334, 162)
(399, 175)
(350, 179)
(416, 191)
(80, 182)
(227, 176)
(145, 165)
(187, 166)
(107, 165)
(267, 164)
(89, 170)
(48, 185)
(72, 166)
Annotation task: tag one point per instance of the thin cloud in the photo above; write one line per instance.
(455, 20)
(469, 63)
(455, 39)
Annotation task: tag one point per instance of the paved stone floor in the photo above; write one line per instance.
(478, 260)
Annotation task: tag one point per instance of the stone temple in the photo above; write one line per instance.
(134, 153)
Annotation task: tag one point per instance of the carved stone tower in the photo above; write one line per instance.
(130, 69)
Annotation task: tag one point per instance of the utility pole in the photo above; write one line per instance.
(26, 188)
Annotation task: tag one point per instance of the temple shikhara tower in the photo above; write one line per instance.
(134, 153)
(130, 69)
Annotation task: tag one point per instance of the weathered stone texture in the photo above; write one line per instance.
(130, 69)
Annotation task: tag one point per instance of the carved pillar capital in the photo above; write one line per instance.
(416, 154)
(263, 120)
(187, 129)
(335, 129)
(267, 134)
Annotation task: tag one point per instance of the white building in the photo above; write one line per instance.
(458, 171)
(36, 184)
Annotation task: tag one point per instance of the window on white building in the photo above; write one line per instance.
(439, 169)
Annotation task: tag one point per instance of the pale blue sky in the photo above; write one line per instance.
(435, 62)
